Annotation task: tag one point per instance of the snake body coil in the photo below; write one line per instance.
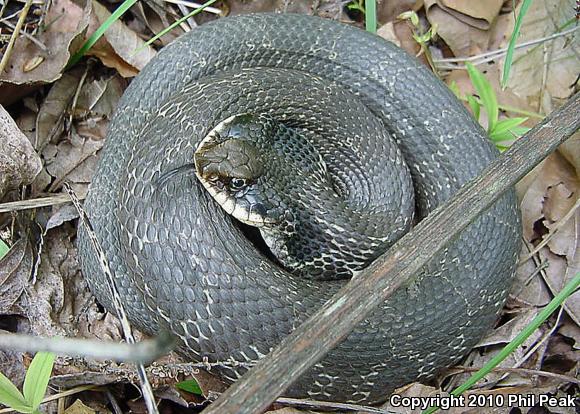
(183, 265)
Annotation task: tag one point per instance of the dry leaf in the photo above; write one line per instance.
(54, 302)
(15, 271)
(508, 331)
(545, 74)
(387, 32)
(118, 47)
(570, 330)
(74, 160)
(156, 19)
(289, 410)
(260, 6)
(50, 120)
(571, 151)
(19, 163)
(558, 273)
(79, 408)
(528, 287)
(458, 32)
(388, 11)
(12, 366)
(66, 22)
(479, 14)
(549, 199)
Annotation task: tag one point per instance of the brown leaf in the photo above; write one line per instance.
(463, 38)
(15, 271)
(117, 48)
(156, 18)
(388, 11)
(544, 75)
(19, 163)
(12, 366)
(528, 287)
(260, 6)
(288, 410)
(66, 22)
(79, 408)
(549, 199)
(571, 151)
(54, 304)
(558, 273)
(571, 330)
(74, 160)
(387, 32)
(99, 98)
(553, 172)
(479, 14)
(508, 331)
(50, 121)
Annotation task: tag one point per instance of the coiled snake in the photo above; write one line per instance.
(183, 265)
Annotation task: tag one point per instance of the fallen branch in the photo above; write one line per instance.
(260, 386)
(52, 200)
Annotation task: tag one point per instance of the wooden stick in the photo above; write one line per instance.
(260, 386)
(14, 36)
(141, 352)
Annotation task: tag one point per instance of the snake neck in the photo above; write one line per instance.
(318, 220)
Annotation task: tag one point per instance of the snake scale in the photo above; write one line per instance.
(182, 263)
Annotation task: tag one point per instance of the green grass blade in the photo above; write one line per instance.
(509, 57)
(37, 377)
(486, 95)
(3, 248)
(504, 129)
(126, 5)
(518, 340)
(474, 105)
(371, 15)
(175, 24)
(11, 396)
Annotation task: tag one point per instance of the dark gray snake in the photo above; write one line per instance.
(180, 262)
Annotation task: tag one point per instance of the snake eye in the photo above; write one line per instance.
(237, 184)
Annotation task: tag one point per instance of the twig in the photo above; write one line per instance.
(113, 402)
(256, 390)
(193, 5)
(146, 389)
(143, 352)
(5, 19)
(3, 9)
(494, 54)
(76, 95)
(14, 36)
(563, 378)
(191, 23)
(529, 352)
(33, 39)
(325, 405)
(37, 202)
(553, 231)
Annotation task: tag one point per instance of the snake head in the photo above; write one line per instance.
(229, 164)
